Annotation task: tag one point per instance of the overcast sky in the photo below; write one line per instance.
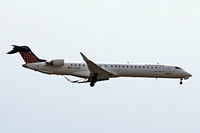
(138, 31)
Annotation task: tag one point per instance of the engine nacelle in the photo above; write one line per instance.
(56, 62)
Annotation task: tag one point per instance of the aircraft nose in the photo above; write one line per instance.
(187, 75)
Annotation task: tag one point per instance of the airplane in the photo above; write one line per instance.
(91, 72)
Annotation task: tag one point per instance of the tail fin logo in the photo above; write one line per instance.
(29, 57)
(26, 53)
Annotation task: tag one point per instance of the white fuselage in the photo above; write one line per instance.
(117, 70)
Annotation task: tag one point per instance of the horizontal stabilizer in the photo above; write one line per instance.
(19, 49)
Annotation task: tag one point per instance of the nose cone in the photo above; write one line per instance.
(187, 75)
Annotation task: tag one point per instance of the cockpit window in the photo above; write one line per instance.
(177, 68)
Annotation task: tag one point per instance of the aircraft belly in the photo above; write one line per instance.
(143, 73)
(53, 70)
(64, 71)
(131, 73)
(82, 74)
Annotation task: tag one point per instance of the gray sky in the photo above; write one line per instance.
(142, 31)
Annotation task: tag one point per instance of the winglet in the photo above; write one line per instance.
(84, 57)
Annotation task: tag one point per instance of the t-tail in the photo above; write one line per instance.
(26, 53)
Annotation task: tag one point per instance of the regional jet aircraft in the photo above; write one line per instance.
(91, 72)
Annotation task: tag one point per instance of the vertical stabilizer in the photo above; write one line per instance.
(26, 53)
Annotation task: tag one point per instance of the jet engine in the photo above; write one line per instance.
(56, 62)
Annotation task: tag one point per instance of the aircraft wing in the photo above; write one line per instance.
(95, 69)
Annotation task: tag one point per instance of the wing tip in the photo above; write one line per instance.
(84, 57)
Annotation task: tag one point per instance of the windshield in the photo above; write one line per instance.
(178, 68)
